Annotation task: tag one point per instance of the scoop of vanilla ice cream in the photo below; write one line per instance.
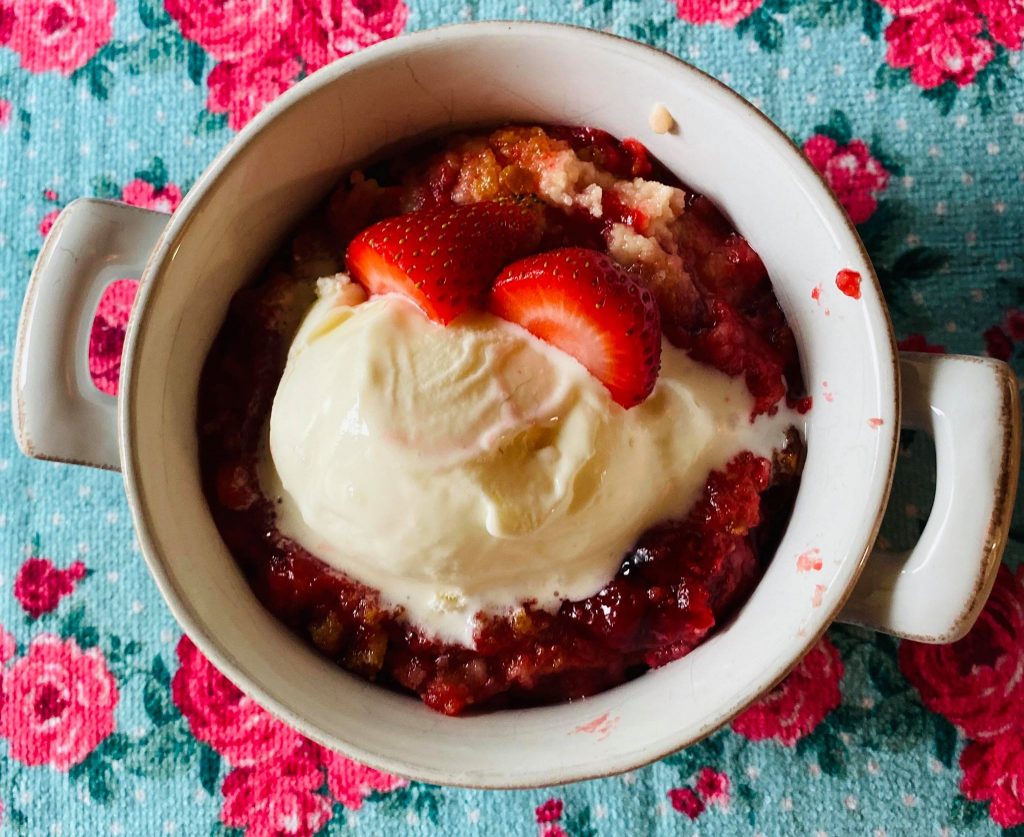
(473, 467)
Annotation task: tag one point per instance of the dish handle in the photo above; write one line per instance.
(934, 592)
(59, 414)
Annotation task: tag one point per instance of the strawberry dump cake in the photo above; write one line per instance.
(509, 420)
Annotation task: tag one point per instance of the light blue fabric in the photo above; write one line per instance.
(960, 193)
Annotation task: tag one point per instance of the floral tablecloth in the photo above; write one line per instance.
(112, 723)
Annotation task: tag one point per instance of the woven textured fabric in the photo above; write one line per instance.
(112, 723)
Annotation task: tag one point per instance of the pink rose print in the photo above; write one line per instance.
(548, 814)
(142, 193)
(6, 20)
(46, 224)
(330, 29)
(351, 782)
(1015, 324)
(59, 34)
(241, 89)
(1005, 20)
(219, 714)
(978, 682)
(5, 111)
(726, 12)
(57, 703)
(994, 773)
(999, 339)
(851, 171)
(685, 801)
(8, 645)
(39, 585)
(713, 787)
(901, 8)
(799, 703)
(550, 811)
(107, 336)
(918, 343)
(277, 797)
(939, 43)
(231, 30)
(263, 45)
(997, 343)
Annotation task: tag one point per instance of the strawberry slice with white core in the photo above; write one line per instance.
(444, 259)
(588, 306)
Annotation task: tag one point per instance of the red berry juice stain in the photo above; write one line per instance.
(816, 294)
(808, 561)
(801, 405)
(828, 395)
(848, 281)
(602, 726)
(875, 422)
(819, 595)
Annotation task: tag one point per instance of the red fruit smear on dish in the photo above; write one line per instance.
(682, 578)
(848, 281)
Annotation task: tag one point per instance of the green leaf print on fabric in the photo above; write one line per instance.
(580, 823)
(650, 31)
(813, 13)
(894, 721)
(196, 63)
(209, 769)
(688, 761)
(104, 186)
(153, 15)
(338, 825)
(98, 777)
(423, 799)
(607, 6)
(164, 752)
(765, 28)
(155, 174)
(963, 813)
(160, 672)
(210, 123)
(159, 47)
(872, 20)
(838, 128)
(156, 700)
(944, 96)
(73, 626)
(218, 829)
(103, 782)
(998, 82)
(946, 740)
(115, 746)
(826, 748)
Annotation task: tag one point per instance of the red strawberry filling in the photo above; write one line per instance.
(707, 292)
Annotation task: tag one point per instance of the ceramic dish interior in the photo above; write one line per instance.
(285, 161)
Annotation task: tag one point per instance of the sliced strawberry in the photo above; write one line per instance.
(589, 307)
(444, 259)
